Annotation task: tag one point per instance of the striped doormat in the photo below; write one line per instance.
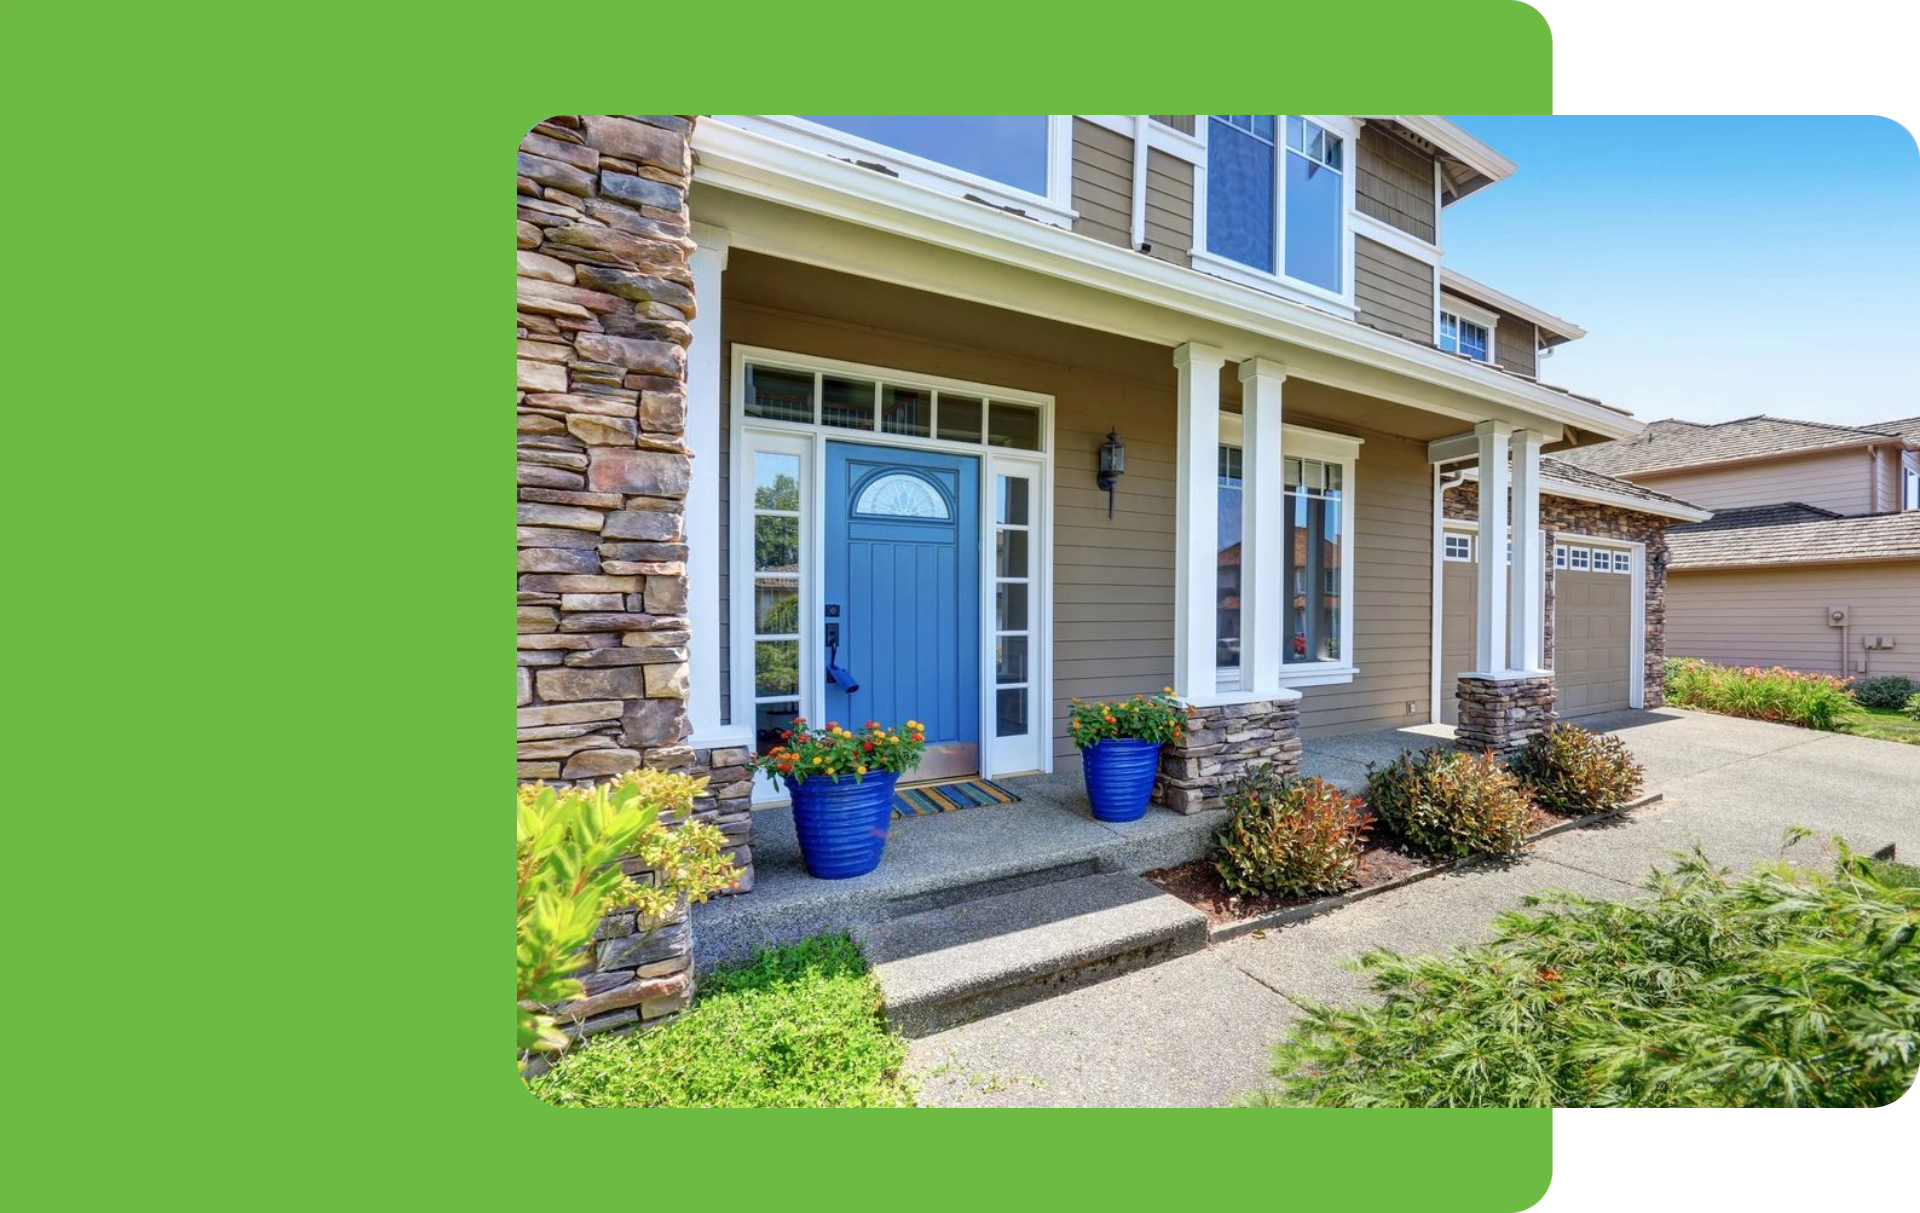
(929, 799)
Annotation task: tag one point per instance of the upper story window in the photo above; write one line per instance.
(1910, 495)
(1277, 197)
(1008, 148)
(1020, 162)
(1466, 329)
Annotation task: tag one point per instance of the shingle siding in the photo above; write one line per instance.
(1394, 290)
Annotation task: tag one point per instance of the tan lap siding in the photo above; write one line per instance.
(1170, 207)
(1394, 290)
(1841, 481)
(1393, 593)
(1102, 183)
(1515, 343)
(1778, 616)
(1394, 183)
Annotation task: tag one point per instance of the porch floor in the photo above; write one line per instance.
(1342, 761)
(1048, 834)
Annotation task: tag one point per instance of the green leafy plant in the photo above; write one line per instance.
(1449, 802)
(797, 1027)
(1158, 718)
(570, 844)
(1913, 707)
(834, 753)
(1289, 836)
(1812, 701)
(1784, 987)
(1886, 691)
(1574, 770)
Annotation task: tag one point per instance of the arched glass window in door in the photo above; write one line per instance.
(902, 495)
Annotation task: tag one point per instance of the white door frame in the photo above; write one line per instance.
(809, 441)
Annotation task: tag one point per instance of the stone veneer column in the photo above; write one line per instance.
(605, 298)
(1221, 744)
(1500, 713)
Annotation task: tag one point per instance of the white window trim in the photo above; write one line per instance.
(810, 442)
(1160, 137)
(1343, 302)
(1472, 313)
(1470, 540)
(1055, 206)
(1343, 450)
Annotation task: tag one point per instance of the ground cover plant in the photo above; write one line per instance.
(1289, 836)
(797, 1027)
(1913, 708)
(1812, 701)
(1889, 691)
(1577, 771)
(1452, 803)
(1784, 987)
(568, 844)
(1883, 724)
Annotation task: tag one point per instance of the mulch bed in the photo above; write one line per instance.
(1199, 884)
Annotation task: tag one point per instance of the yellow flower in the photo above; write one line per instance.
(816, 762)
(1166, 690)
(861, 769)
(913, 724)
(893, 737)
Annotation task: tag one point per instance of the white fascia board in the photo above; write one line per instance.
(760, 166)
(1456, 281)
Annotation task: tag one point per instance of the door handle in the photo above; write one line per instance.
(838, 674)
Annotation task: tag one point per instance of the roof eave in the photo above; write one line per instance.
(1566, 330)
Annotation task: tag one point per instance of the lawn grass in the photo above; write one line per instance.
(1882, 724)
(797, 1027)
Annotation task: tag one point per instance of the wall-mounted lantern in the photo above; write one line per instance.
(1113, 464)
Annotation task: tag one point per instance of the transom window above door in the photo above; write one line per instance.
(849, 402)
(1277, 197)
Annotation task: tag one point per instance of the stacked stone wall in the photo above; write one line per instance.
(1220, 744)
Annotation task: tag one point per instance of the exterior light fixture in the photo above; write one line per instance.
(1113, 464)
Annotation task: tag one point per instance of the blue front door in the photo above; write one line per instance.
(903, 596)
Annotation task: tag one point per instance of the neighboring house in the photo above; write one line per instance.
(904, 344)
(1812, 558)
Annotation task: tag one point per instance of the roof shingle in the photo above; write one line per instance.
(1678, 444)
(1792, 533)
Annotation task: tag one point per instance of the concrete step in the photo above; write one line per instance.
(947, 966)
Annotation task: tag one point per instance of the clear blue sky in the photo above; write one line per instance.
(1721, 266)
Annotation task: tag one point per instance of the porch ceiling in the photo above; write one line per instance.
(762, 281)
(1243, 324)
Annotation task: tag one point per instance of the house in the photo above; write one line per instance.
(1812, 557)
(988, 412)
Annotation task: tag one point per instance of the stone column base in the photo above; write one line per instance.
(1500, 713)
(1222, 742)
(728, 804)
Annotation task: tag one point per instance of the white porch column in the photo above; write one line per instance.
(706, 413)
(1262, 526)
(1196, 519)
(1490, 641)
(1526, 590)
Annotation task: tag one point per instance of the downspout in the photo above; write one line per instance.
(1139, 233)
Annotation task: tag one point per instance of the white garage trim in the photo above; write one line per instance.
(1637, 649)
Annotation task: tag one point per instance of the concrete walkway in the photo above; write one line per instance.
(1194, 1032)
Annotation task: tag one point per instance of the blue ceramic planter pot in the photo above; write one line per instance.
(843, 826)
(1120, 776)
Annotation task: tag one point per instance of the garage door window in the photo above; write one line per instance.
(1460, 547)
(1579, 559)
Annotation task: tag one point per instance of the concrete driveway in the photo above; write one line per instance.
(1194, 1032)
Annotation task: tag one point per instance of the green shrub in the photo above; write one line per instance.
(798, 1027)
(1449, 802)
(1574, 770)
(568, 844)
(1812, 701)
(1289, 836)
(1913, 707)
(1780, 988)
(1885, 692)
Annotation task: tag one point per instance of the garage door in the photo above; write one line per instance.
(1592, 629)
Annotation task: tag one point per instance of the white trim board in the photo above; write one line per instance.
(809, 442)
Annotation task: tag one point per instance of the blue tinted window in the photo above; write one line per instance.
(1314, 200)
(1008, 148)
(1240, 189)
